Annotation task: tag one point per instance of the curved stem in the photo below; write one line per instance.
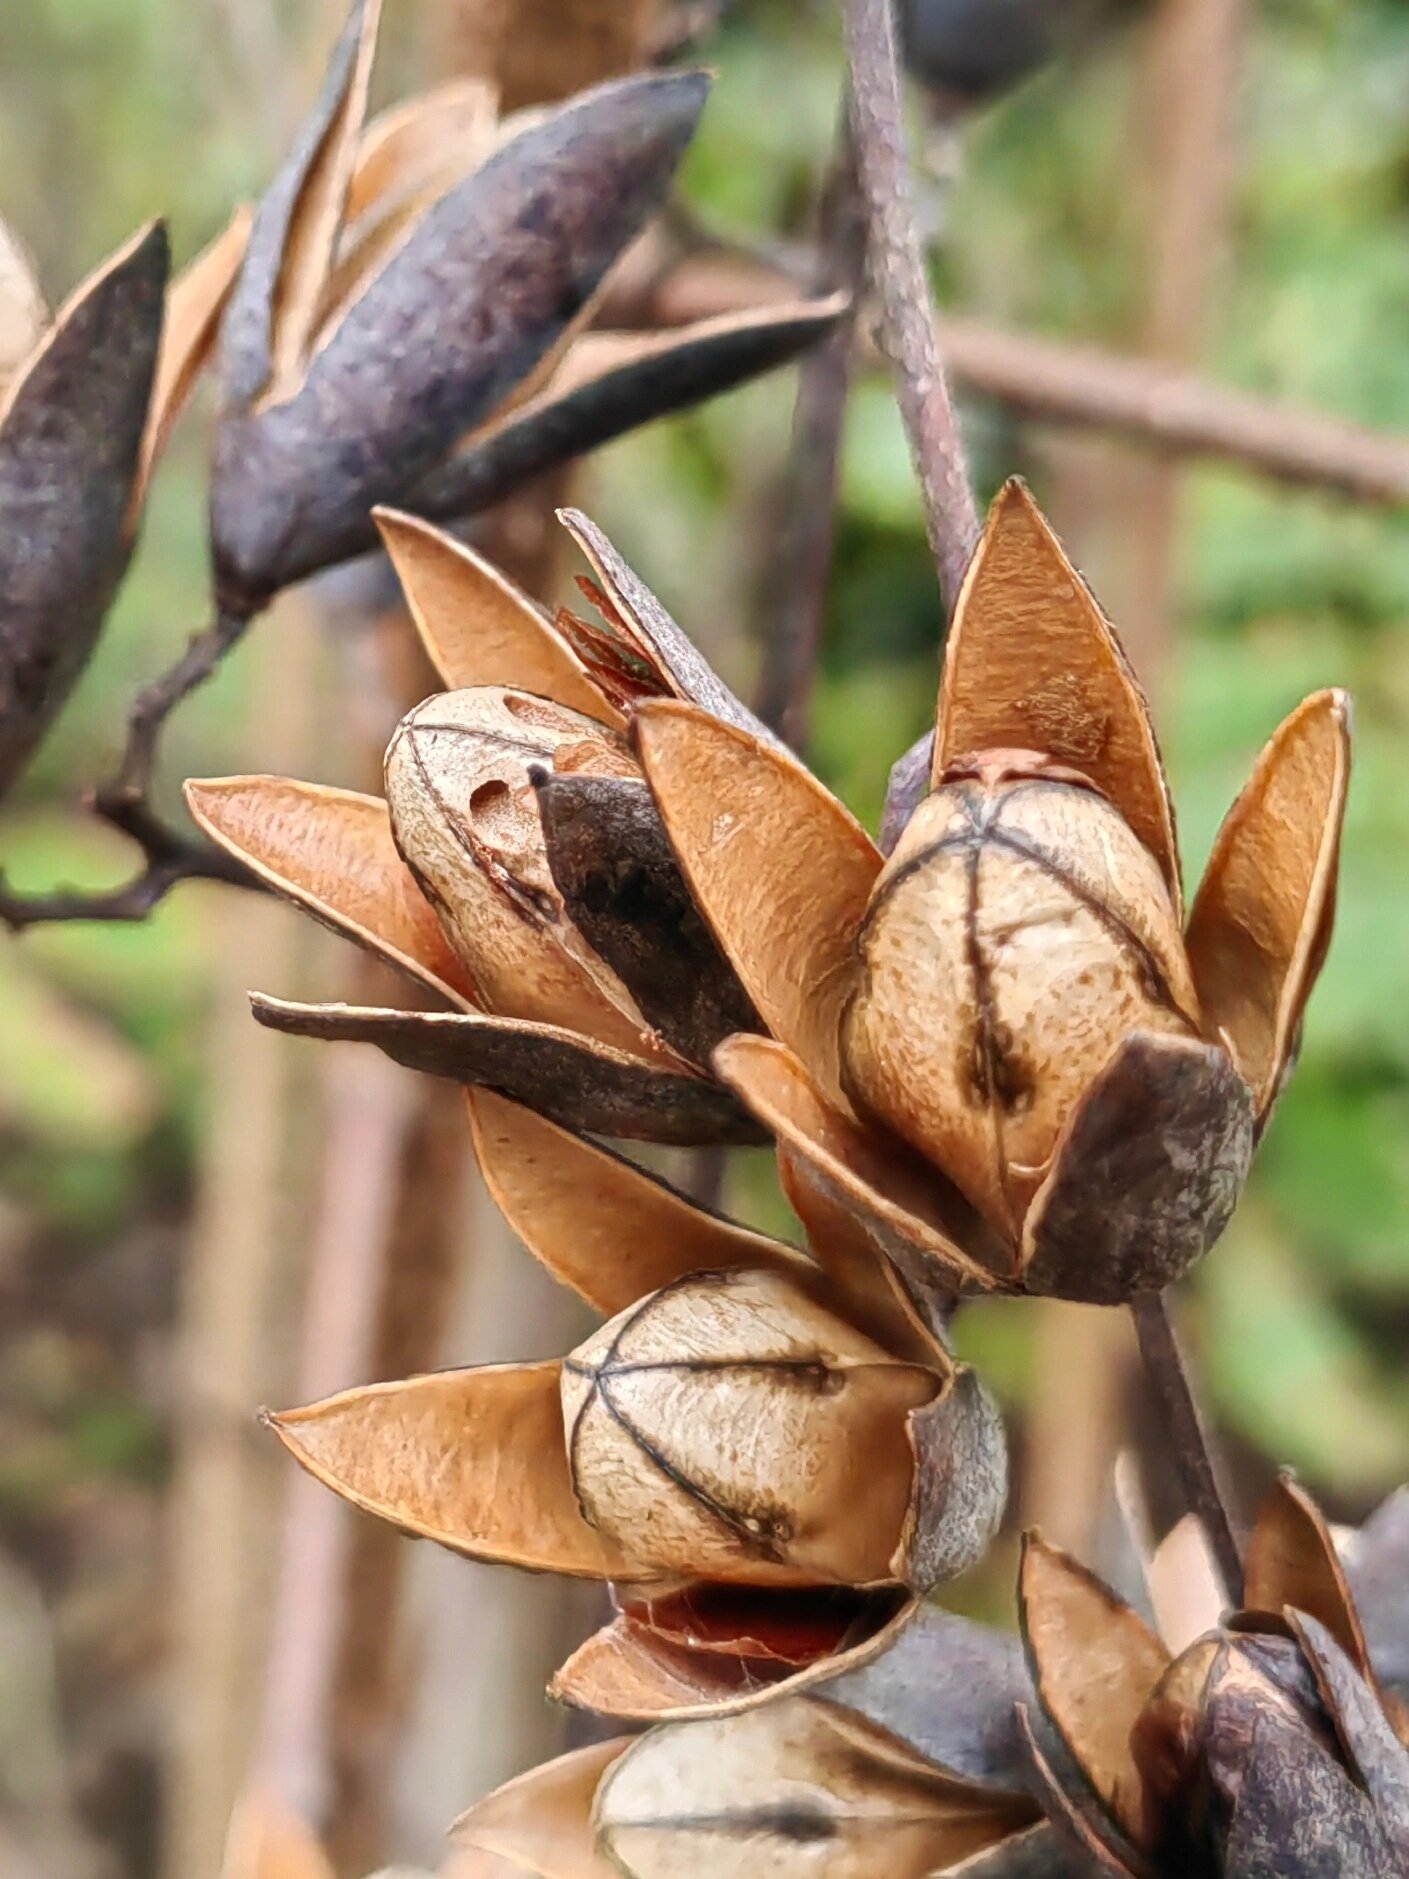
(907, 309)
(155, 703)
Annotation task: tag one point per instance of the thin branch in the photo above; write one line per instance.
(156, 702)
(1176, 412)
(1168, 1372)
(124, 803)
(801, 567)
(170, 858)
(907, 310)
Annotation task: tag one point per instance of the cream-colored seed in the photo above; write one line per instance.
(1018, 933)
(465, 817)
(729, 1425)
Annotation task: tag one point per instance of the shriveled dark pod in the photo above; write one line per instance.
(71, 433)
(86, 404)
(407, 329)
(1241, 1745)
(969, 51)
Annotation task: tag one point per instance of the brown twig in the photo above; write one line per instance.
(797, 590)
(907, 309)
(1175, 412)
(170, 858)
(1168, 1372)
(125, 804)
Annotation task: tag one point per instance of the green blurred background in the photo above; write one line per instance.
(112, 110)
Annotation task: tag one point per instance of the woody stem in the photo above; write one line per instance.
(907, 309)
(1168, 1372)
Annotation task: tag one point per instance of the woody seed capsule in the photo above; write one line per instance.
(1018, 934)
(729, 1427)
(465, 818)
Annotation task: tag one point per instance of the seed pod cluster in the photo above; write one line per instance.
(1235, 1746)
(1003, 1051)
(771, 1454)
(518, 868)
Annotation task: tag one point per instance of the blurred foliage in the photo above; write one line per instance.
(111, 110)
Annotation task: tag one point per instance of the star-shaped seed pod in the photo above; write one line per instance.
(1235, 1746)
(1002, 1050)
(518, 868)
(408, 325)
(769, 1454)
(87, 401)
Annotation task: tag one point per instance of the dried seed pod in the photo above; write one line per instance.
(1018, 934)
(408, 324)
(1264, 1747)
(769, 1452)
(777, 1789)
(86, 405)
(459, 783)
(541, 885)
(731, 1427)
(71, 433)
(1005, 1014)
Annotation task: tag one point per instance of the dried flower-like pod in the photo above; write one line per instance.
(785, 1787)
(729, 1426)
(1264, 1747)
(521, 872)
(800, 1785)
(85, 405)
(770, 1453)
(1007, 1008)
(1018, 934)
(407, 324)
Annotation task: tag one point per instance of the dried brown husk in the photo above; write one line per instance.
(1016, 935)
(541, 1822)
(1094, 1664)
(621, 886)
(738, 1648)
(774, 1789)
(1261, 923)
(781, 871)
(573, 1079)
(730, 1426)
(331, 851)
(566, 1198)
(1031, 663)
(1146, 1175)
(72, 425)
(615, 389)
(473, 1459)
(478, 626)
(465, 817)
